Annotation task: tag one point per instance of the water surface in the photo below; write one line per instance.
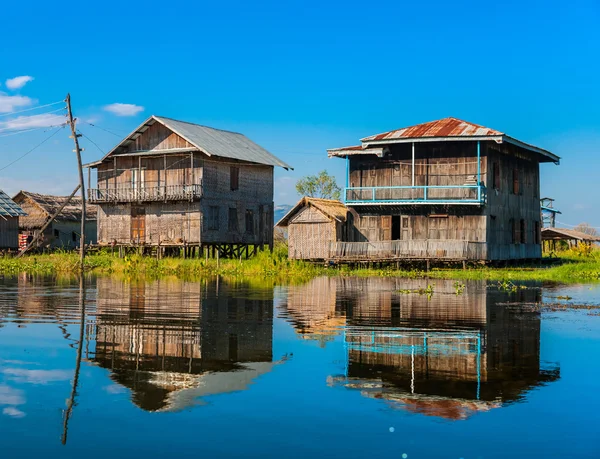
(339, 367)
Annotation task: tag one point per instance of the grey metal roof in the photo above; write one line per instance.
(226, 144)
(8, 208)
(211, 141)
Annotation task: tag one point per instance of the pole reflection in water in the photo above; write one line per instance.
(71, 401)
(448, 355)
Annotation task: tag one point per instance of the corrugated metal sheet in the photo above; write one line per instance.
(217, 142)
(8, 208)
(447, 127)
(226, 144)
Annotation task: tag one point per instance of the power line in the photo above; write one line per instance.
(574, 226)
(32, 108)
(100, 149)
(120, 136)
(32, 129)
(30, 151)
(24, 125)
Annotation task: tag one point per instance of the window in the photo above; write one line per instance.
(249, 222)
(496, 180)
(523, 231)
(516, 236)
(233, 219)
(56, 233)
(234, 178)
(74, 236)
(536, 232)
(516, 189)
(213, 218)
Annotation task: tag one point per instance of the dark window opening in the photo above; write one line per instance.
(516, 236)
(74, 236)
(249, 221)
(234, 178)
(233, 219)
(537, 234)
(56, 233)
(395, 227)
(523, 231)
(516, 187)
(213, 218)
(496, 169)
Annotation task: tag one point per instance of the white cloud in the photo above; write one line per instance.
(36, 376)
(12, 103)
(10, 396)
(33, 121)
(13, 412)
(123, 109)
(18, 82)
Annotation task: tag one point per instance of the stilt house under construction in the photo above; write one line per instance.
(177, 184)
(443, 190)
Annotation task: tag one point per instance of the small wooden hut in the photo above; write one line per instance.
(313, 224)
(9, 222)
(570, 236)
(64, 231)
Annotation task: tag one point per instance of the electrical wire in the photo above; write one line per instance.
(15, 128)
(103, 129)
(94, 143)
(32, 108)
(30, 151)
(574, 226)
(32, 129)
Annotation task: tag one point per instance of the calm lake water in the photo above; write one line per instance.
(339, 367)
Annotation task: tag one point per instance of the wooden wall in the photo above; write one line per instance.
(309, 234)
(171, 222)
(9, 233)
(504, 207)
(436, 163)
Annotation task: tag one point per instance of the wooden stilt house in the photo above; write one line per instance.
(10, 212)
(313, 224)
(64, 231)
(176, 184)
(443, 190)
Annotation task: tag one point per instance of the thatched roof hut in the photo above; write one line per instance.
(64, 230)
(40, 207)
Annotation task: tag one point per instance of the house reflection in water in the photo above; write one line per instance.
(171, 343)
(448, 355)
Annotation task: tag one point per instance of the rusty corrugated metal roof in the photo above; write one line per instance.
(446, 127)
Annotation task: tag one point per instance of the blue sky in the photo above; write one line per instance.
(301, 77)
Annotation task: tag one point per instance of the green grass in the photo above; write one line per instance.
(276, 267)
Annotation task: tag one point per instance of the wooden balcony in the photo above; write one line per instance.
(414, 195)
(429, 249)
(145, 194)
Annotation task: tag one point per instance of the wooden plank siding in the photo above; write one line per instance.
(505, 227)
(310, 233)
(9, 233)
(174, 220)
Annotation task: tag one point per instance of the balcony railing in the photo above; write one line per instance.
(145, 194)
(433, 194)
(426, 249)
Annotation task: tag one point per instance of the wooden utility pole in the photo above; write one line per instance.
(77, 150)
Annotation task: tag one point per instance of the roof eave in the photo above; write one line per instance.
(551, 156)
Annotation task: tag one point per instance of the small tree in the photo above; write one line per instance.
(322, 185)
(586, 228)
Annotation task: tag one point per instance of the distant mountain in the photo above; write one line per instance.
(280, 211)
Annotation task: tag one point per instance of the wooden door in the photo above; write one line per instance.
(138, 224)
(406, 228)
(386, 228)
